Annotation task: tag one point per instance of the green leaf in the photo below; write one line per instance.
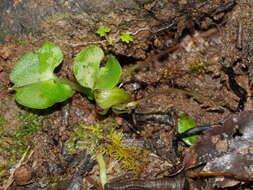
(86, 66)
(34, 80)
(109, 76)
(108, 98)
(124, 37)
(44, 94)
(102, 31)
(184, 124)
(36, 66)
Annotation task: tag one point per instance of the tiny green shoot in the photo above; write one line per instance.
(184, 124)
(124, 37)
(102, 31)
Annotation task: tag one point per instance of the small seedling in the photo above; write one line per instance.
(102, 81)
(123, 37)
(102, 31)
(37, 86)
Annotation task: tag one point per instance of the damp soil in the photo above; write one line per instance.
(180, 53)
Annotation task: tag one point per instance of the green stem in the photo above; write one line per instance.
(102, 168)
(76, 87)
(130, 70)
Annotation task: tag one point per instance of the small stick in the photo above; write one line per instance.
(239, 36)
(20, 162)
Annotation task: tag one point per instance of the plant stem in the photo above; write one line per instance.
(75, 86)
(102, 168)
(130, 70)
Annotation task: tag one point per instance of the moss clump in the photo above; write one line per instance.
(199, 66)
(130, 157)
(105, 138)
(22, 43)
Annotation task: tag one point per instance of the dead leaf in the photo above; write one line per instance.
(227, 150)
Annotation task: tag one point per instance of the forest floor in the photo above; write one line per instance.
(180, 53)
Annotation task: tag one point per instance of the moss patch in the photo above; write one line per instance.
(15, 135)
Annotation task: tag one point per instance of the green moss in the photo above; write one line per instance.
(29, 125)
(199, 66)
(56, 180)
(86, 138)
(2, 122)
(14, 144)
(22, 43)
(3, 171)
(105, 138)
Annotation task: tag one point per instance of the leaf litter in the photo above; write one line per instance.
(203, 94)
(226, 150)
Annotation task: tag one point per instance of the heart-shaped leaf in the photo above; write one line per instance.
(44, 94)
(86, 66)
(108, 98)
(109, 76)
(34, 80)
(90, 75)
(37, 66)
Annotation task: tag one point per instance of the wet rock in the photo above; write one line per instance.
(24, 17)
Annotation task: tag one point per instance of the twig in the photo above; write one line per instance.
(100, 41)
(20, 162)
(192, 94)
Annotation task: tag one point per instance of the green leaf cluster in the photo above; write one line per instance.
(88, 72)
(37, 86)
(123, 37)
(183, 125)
(101, 80)
(102, 31)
